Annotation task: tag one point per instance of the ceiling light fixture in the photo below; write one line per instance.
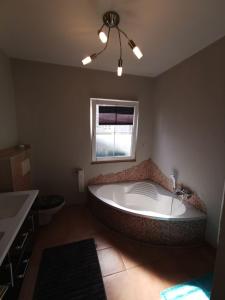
(111, 19)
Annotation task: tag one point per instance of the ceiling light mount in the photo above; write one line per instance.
(111, 20)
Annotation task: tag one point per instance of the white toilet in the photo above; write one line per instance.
(48, 206)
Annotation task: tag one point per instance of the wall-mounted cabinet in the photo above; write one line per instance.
(15, 169)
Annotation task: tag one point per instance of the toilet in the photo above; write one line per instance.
(47, 207)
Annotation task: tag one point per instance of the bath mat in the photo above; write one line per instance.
(197, 289)
(70, 272)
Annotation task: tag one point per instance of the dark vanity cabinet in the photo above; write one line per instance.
(14, 266)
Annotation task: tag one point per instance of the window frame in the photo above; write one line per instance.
(98, 101)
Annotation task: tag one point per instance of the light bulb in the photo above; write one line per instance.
(86, 60)
(119, 71)
(137, 52)
(120, 68)
(135, 49)
(89, 59)
(103, 37)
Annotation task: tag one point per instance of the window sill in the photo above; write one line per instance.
(112, 161)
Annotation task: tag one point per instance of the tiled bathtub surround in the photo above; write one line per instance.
(145, 170)
(197, 203)
(161, 232)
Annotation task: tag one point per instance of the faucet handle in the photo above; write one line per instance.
(183, 191)
(187, 192)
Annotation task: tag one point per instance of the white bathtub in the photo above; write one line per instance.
(146, 199)
(147, 212)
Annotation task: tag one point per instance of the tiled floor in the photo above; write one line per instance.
(130, 270)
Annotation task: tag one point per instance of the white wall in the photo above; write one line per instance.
(53, 111)
(189, 126)
(188, 131)
(8, 129)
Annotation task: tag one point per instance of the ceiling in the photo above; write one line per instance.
(65, 31)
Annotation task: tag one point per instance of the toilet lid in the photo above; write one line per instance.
(48, 202)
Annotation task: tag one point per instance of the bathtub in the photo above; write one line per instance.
(147, 212)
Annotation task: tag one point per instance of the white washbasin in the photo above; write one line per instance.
(11, 204)
(14, 207)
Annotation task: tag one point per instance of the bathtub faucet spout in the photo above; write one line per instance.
(174, 182)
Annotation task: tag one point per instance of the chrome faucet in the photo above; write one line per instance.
(183, 193)
(180, 191)
(174, 183)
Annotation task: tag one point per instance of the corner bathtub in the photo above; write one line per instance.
(147, 212)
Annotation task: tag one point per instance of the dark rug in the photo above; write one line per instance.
(70, 272)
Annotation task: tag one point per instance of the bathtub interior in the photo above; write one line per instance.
(145, 197)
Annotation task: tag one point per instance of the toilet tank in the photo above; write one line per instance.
(15, 169)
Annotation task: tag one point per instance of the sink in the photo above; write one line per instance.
(10, 205)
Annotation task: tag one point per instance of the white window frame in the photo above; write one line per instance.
(114, 102)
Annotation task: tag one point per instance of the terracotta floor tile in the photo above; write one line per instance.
(149, 269)
(101, 241)
(170, 272)
(152, 254)
(29, 282)
(135, 254)
(147, 285)
(119, 287)
(131, 255)
(195, 261)
(197, 266)
(150, 280)
(110, 261)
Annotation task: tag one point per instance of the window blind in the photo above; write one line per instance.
(116, 115)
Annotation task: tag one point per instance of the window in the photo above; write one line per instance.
(113, 129)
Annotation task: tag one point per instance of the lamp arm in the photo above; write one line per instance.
(124, 33)
(101, 28)
(120, 42)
